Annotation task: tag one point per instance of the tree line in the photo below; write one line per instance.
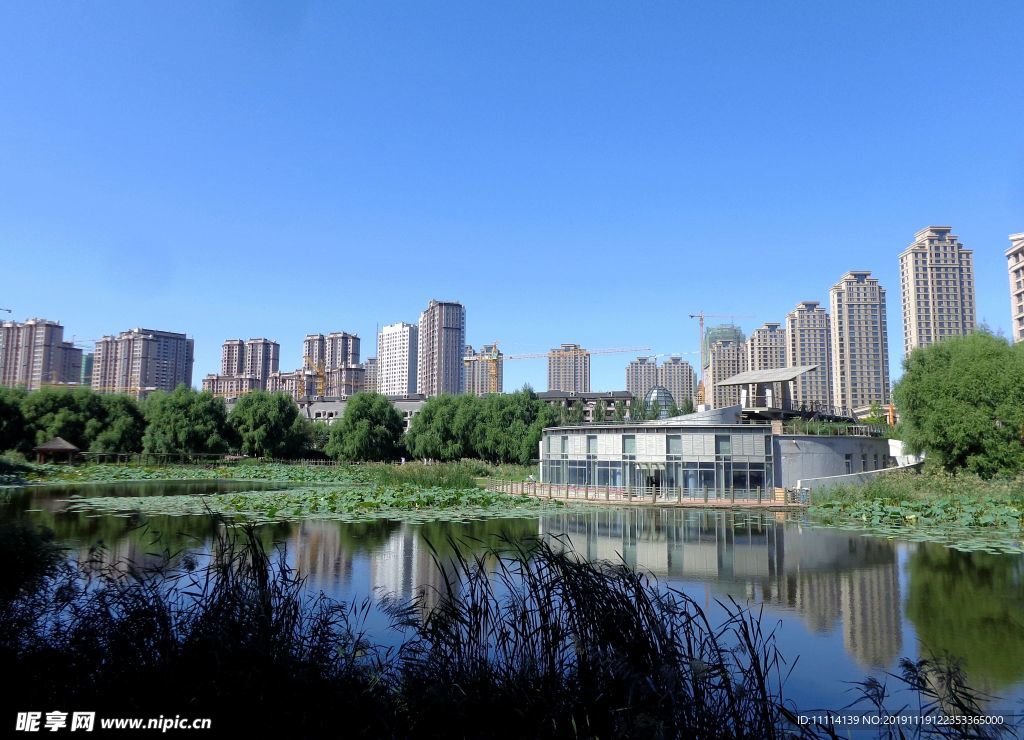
(499, 428)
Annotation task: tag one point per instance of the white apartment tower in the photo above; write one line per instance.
(677, 376)
(34, 354)
(341, 349)
(370, 379)
(860, 343)
(809, 342)
(937, 287)
(442, 341)
(396, 359)
(142, 360)
(484, 370)
(726, 358)
(1015, 265)
(569, 369)
(641, 376)
(766, 348)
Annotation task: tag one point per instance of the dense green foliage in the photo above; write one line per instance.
(88, 420)
(186, 420)
(500, 428)
(965, 512)
(269, 425)
(371, 429)
(12, 419)
(962, 402)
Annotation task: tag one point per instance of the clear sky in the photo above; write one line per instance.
(572, 172)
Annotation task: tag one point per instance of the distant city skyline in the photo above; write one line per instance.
(319, 166)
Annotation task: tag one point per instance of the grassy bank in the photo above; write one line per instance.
(533, 644)
(963, 511)
(463, 474)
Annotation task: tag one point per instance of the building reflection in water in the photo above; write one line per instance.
(826, 576)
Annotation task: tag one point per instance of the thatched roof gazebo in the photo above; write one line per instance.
(56, 449)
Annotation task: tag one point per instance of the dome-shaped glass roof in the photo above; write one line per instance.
(660, 395)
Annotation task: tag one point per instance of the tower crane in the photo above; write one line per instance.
(321, 375)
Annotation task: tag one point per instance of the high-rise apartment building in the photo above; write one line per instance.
(726, 358)
(85, 377)
(262, 357)
(34, 354)
(677, 376)
(314, 350)
(232, 357)
(766, 348)
(442, 341)
(809, 342)
(484, 370)
(370, 379)
(341, 349)
(937, 287)
(569, 369)
(860, 343)
(397, 346)
(722, 332)
(1015, 265)
(142, 360)
(641, 376)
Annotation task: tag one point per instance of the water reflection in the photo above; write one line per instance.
(826, 576)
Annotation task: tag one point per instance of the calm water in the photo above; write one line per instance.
(846, 604)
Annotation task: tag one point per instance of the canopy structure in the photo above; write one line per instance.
(56, 449)
(767, 391)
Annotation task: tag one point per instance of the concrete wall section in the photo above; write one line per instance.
(800, 457)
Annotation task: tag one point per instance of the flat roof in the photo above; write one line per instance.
(777, 375)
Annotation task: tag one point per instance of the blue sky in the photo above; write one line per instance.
(575, 172)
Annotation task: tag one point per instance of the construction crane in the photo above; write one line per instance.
(321, 375)
(701, 315)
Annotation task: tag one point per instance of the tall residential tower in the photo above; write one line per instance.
(569, 369)
(1015, 265)
(442, 341)
(860, 343)
(396, 359)
(809, 342)
(937, 287)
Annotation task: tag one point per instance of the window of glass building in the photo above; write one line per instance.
(675, 444)
(723, 444)
(592, 445)
(628, 444)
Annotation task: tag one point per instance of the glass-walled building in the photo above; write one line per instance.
(720, 458)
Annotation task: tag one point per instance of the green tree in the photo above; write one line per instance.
(370, 429)
(600, 411)
(620, 411)
(962, 402)
(673, 409)
(577, 412)
(319, 435)
(512, 425)
(268, 425)
(13, 428)
(687, 407)
(654, 411)
(89, 420)
(185, 420)
(446, 428)
(638, 409)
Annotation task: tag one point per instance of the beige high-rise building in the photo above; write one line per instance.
(314, 350)
(937, 288)
(397, 346)
(677, 376)
(1015, 265)
(297, 384)
(142, 360)
(569, 369)
(345, 381)
(725, 359)
(232, 357)
(34, 354)
(484, 370)
(809, 342)
(641, 376)
(341, 349)
(262, 357)
(442, 341)
(860, 342)
(230, 386)
(766, 348)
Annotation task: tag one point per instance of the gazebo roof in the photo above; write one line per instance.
(777, 375)
(57, 444)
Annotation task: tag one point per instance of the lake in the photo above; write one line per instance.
(844, 605)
